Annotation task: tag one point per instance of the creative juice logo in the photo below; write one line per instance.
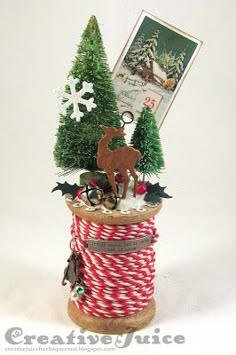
(18, 339)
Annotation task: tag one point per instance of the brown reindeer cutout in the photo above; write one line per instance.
(121, 159)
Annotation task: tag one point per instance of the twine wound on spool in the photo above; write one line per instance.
(117, 285)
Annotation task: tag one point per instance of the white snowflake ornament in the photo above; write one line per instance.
(74, 98)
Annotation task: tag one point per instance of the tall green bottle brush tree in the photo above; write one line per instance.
(146, 139)
(77, 142)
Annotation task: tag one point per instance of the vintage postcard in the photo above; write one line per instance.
(152, 66)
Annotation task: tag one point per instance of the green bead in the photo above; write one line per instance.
(79, 290)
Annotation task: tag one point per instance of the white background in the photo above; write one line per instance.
(195, 285)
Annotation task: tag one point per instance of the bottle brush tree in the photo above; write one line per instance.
(77, 142)
(146, 139)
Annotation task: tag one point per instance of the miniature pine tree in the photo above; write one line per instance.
(165, 60)
(144, 56)
(134, 49)
(180, 64)
(146, 139)
(150, 47)
(76, 144)
(177, 67)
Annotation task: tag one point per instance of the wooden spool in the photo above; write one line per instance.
(119, 325)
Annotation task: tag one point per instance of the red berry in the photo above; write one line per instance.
(141, 189)
(120, 178)
(93, 182)
(79, 192)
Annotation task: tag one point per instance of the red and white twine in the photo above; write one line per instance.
(117, 284)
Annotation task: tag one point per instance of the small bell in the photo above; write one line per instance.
(91, 195)
(110, 200)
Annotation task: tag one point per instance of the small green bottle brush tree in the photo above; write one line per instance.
(77, 142)
(146, 139)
